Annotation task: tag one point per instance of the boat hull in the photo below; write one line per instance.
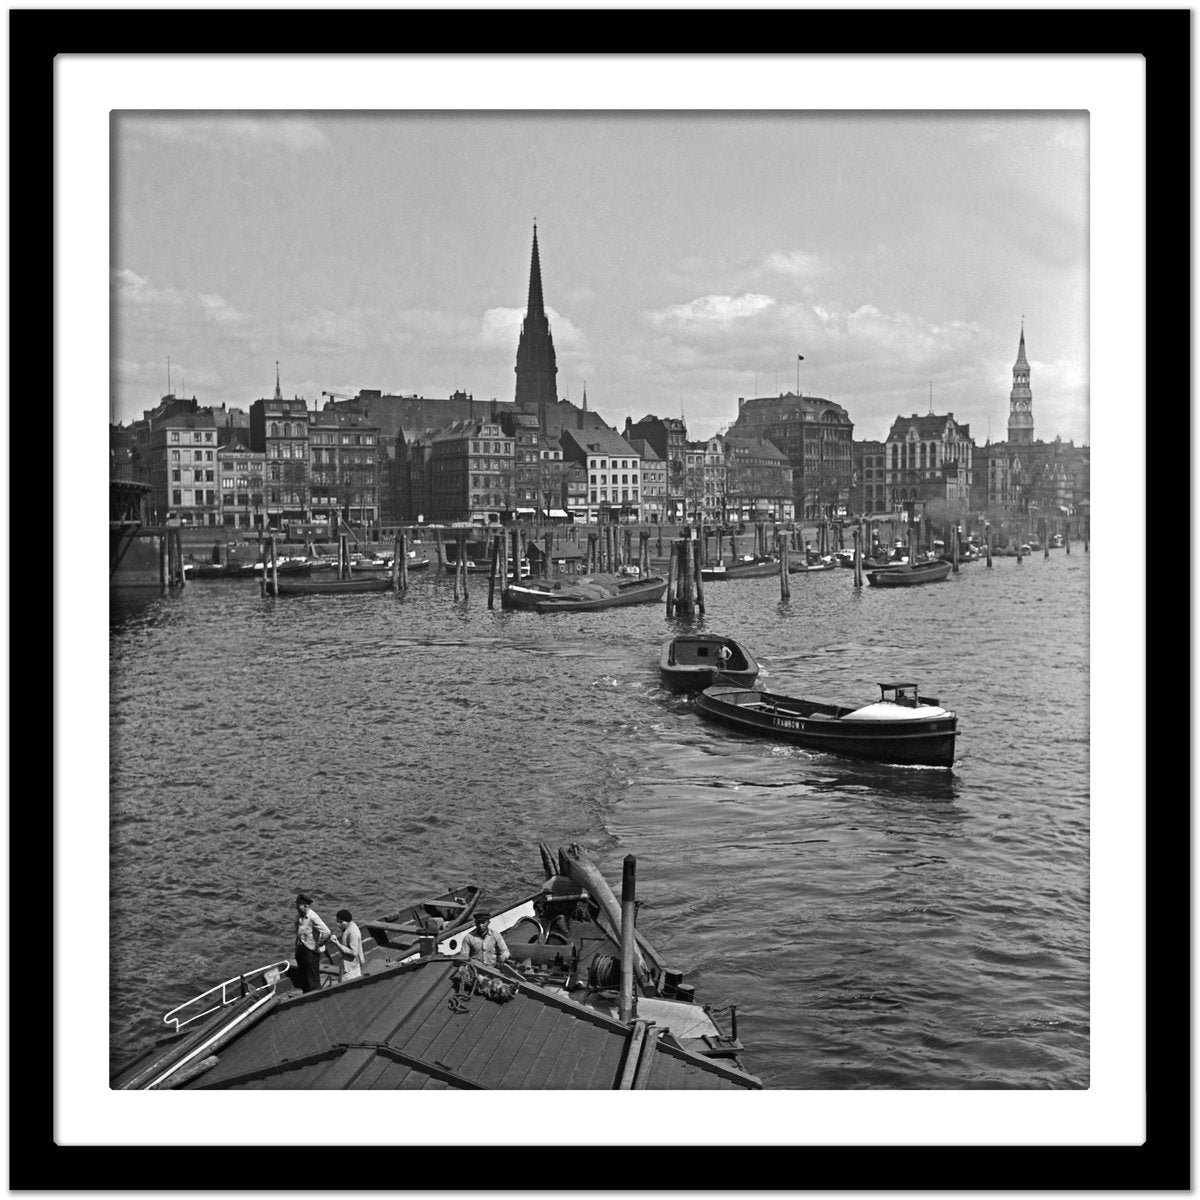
(824, 727)
(690, 663)
(640, 591)
(910, 576)
(329, 587)
(744, 570)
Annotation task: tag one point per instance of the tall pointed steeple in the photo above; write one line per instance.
(278, 393)
(536, 367)
(1020, 402)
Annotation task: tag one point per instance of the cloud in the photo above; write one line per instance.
(501, 327)
(221, 133)
(797, 264)
(219, 310)
(128, 287)
(711, 310)
(328, 332)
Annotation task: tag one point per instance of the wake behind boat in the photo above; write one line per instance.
(900, 727)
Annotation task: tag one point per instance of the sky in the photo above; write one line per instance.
(688, 259)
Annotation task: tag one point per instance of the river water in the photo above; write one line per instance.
(876, 927)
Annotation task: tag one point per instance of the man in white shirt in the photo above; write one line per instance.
(311, 934)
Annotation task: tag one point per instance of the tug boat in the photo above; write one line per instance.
(900, 727)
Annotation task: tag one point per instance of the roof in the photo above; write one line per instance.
(397, 1029)
(599, 441)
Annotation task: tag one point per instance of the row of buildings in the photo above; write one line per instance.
(379, 459)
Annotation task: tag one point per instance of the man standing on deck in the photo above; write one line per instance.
(311, 934)
(483, 945)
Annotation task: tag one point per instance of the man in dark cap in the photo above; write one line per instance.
(311, 934)
(482, 945)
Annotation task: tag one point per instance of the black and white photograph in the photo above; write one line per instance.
(600, 599)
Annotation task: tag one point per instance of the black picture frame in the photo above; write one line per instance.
(38, 36)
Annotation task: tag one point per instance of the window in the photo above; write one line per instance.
(208, 438)
(175, 476)
(174, 455)
(227, 499)
(174, 437)
(176, 498)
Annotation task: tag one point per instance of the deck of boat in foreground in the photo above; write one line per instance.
(400, 1029)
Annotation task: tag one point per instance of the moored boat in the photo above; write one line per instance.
(749, 566)
(330, 587)
(900, 727)
(584, 593)
(910, 574)
(693, 661)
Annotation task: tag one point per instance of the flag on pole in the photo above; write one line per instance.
(799, 357)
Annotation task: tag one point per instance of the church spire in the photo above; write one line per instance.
(536, 367)
(1020, 403)
(278, 393)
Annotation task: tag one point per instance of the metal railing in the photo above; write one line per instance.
(226, 993)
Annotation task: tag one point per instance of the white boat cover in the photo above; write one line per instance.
(883, 710)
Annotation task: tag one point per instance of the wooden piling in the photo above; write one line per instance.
(495, 559)
(274, 569)
(437, 533)
(785, 583)
(644, 553)
(458, 561)
(628, 546)
(396, 562)
(1067, 538)
(858, 557)
(672, 578)
(162, 560)
(688, 572)
(660, 553)
(548, 544)
(954, 532)
(698, 567)
(626, 1009)
(987, 541)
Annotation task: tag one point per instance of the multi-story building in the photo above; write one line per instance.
(928, 459)
(614, 473)
(668, 436)
(240, 472)
(344, 471)
(467, 472)
(654, 478)
(279, 430)
(552, 470)
(523, 428)
(704, 482)
(183, 464)
(758, 481)
(817, 437)
(869, 479)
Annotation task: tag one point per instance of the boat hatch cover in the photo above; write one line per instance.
(886, 710)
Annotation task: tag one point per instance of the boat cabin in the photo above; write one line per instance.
(900, 693)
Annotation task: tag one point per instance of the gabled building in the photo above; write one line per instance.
(614, 473)
(928, 458)
(654, 478)
(345, 480)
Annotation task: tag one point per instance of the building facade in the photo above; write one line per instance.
(242, 495)
(613, 469)
(758, 481)
(817, 437)
(928, 459)
(668, 437)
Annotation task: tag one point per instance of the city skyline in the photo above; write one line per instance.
(687, 259)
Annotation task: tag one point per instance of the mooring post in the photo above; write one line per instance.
(858, 557)
(437, 533)
(785, 584)
(644, 553)
(688, 571)
(396, 562)
(660, 554)
(162, 560)
(274, 569)
(495, 558)
(955, 531)
(626, 1009)
(987, 540)
(628, 546)
(548, 543)
(1067, 538)
(699, 569)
